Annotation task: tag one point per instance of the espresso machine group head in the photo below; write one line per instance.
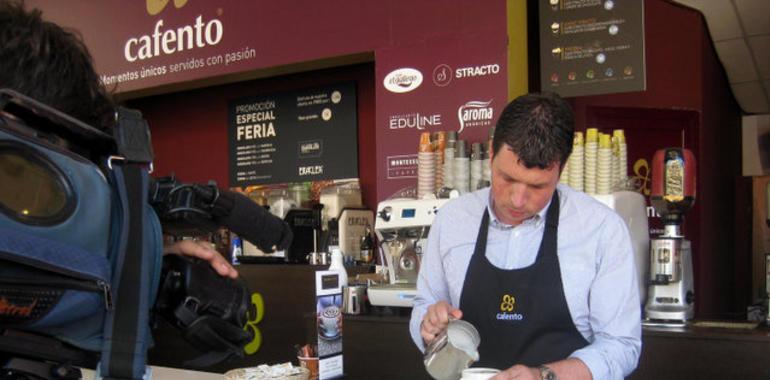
(671, 295)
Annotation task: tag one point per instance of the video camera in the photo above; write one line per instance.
(190, 209)
(81, 266)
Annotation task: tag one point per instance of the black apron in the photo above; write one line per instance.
(521, 314)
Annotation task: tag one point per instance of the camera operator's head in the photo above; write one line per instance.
(52, 65)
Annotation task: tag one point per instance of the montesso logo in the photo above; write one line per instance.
(475, 114)
(160, 41)
(311, 170)
(506, 313)
(402, 80)
(414, 121)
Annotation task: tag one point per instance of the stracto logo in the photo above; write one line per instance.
(477, 71)
(402, 80)
(475, 114)
(172, 40)
(442, 75)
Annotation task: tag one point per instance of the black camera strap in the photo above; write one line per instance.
(125, 334)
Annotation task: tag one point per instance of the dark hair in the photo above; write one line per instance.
(538, 127)
(52, 65)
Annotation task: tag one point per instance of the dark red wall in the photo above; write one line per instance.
(684, 78)
(189, 129)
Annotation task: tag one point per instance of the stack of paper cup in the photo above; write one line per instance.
(615, 162)
(576, 161)
(622, 174)
(426, 167)
(486, 170)
(604, 165)
(564, 177)
(591, 152)
(439, 144)
(476, 166)
(449, 159)
(461, 168)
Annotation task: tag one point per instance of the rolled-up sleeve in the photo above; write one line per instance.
(431, 282)
(615, 313)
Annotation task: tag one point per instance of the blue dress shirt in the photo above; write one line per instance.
(596, 262)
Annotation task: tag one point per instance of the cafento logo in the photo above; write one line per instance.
(156, 6)
(172, 40)
(507, 305)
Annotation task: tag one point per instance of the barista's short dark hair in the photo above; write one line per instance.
(52, 65)
(538, 127)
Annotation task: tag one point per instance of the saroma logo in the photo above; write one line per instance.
(475, 114)
(402, 80)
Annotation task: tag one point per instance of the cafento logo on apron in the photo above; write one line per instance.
(507, 304)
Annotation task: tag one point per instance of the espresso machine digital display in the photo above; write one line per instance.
(671, 296)
(408, 213)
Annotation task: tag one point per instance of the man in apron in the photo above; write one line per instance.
(545, 273)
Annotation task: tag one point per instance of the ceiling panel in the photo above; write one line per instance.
(737, 60)
(767, 86)
(740, 31)
(760, 46)
(754, 15)
(751, 96)
(721, 17)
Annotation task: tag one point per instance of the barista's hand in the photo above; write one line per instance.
(436, 319)
(203, 251)
(518, 372)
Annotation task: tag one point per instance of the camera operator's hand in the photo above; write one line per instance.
(203, 251)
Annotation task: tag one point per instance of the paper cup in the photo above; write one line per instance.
(479, 373)
(311, 363)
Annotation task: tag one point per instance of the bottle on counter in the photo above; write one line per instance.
(236, 250)
(338, 266)
(367, 246)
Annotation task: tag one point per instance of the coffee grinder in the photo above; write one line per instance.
(671, 296)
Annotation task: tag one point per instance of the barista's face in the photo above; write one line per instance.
(518, 192)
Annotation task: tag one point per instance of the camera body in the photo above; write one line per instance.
(81, 245)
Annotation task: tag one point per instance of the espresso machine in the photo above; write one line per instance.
(402, 227)
(671, 295)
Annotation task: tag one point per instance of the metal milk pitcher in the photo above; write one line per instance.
(454, 350)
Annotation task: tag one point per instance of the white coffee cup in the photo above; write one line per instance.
(329, 317)
(479, 373)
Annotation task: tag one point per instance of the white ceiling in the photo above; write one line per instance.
(740, 30)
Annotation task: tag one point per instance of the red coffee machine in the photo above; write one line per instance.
(671, 295)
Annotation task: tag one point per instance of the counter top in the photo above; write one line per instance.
(691, 352)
